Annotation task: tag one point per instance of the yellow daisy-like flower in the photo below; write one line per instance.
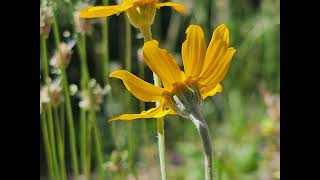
(183, 92)
(140, 12)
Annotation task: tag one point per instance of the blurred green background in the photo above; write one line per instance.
(243, 119)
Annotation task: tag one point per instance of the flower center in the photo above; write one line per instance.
(185, 99)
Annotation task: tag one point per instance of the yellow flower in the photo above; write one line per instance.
(140, 12)
(183, 92)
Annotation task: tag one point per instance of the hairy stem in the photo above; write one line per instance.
(161, 137)
(203, 130)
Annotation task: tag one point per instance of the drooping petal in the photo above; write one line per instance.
(217, 74)
(138, 87)
(176, 6)
(104, 11)
(156, 112)
(211, 92)
(162, 64)
(193, 51)
(219, 42)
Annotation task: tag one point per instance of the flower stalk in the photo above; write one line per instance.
(65, 85)
(161, 137)
(70, 122)
(203, 131)
(46, 144)
(60, 148)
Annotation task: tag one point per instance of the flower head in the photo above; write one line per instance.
(51, 93)
(62, 55)
(45, 18)
(93, 97)
(140, 12)
(183, 92)
(81, 24)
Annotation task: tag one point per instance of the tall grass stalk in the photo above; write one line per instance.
(128, 67)
(51, 135)
(83, 123)
(105, 48)
(52, 141)
(70, 120)
(86, 153)
(97, 142)
(44, 58)
(63, 122)
(60, 147)
(47, 145)
(142, 106)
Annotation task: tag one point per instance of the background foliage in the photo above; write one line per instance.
(243, 119)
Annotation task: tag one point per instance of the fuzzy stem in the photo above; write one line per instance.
(203, 130)
(161, 137)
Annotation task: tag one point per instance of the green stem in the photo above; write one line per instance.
(128, 67)
(84, 87)
(83, 143)
(52, 141)
(127, 44)
(142, 105)
(89, 146)
(46, 145)
(62, 119)
(98, 147)
(161, 137)
(203, 130)
(44, 58)
(73, 147)
(105, 49)
(146, 31)
(60, 145)
(56, 32)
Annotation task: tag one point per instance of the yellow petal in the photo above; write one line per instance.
(211, 92)
(156, 112)
(176, 6)
(217, 74)
(219, 42)
(162, 64)
(193, 51)
(138, 87)
(103, 11)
